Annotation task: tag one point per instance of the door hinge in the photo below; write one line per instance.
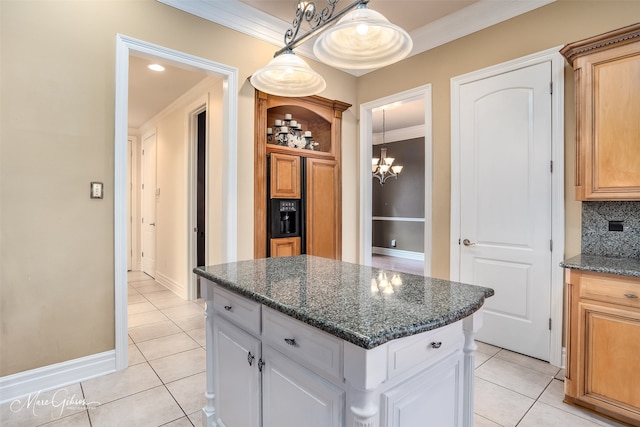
(551, 167)
(143, 186)
(551, 245)
(142, 254)
(551, 88)
(549, 323)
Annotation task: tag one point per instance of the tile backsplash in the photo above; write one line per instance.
(599, 222)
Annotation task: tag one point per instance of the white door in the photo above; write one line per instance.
(149, 205)
(505, 204)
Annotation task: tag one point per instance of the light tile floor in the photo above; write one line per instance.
(165, 380)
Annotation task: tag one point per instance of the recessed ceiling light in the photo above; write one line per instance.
(156, 67)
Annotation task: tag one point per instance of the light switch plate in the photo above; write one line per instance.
(96, 190)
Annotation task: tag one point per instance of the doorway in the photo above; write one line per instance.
(228, 232)
(507, 199)
(421, 94)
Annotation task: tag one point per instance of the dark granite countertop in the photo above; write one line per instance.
(600, 264)
(339, 297)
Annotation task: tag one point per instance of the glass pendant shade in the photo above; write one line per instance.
(288, 75)
(362, 39)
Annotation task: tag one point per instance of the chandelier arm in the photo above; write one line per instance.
(322, 20)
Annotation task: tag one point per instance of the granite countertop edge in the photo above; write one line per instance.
(600, 264)
(359, 340)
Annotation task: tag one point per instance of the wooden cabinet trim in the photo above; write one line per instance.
(607, 153)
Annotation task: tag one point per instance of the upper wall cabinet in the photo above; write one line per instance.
(607, 87)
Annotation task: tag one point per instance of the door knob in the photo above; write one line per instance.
(467, 242)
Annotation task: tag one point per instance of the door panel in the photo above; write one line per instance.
(323, 213)
(505, 188)
(149, 205)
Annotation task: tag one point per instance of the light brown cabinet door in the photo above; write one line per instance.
(607, 81)
(603, 351)
(324, 211)
(288, 246)
(611, 357)
(285, 176)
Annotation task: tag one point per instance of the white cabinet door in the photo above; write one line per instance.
(294, 396)
(237, 375)
(430, 399)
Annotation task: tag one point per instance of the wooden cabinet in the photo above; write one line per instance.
(607, 98)
(284, 181)
(324, 222)
(287, 246)
(322, 192)
(603, 354)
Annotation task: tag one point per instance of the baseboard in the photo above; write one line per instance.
(417, 256)
(56, 375)
(172, 285)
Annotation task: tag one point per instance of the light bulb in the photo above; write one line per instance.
(362, 29)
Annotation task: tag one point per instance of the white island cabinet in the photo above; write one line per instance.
(302, 342)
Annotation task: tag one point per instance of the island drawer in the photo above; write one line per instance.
(309, 346)
(241, 311)
(407, 353)
(612, 289)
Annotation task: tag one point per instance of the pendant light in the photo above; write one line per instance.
(288, 75)
(362, 39)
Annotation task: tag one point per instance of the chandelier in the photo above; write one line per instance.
(361, 39)
(383, 167)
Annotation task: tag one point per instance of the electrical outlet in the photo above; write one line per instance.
(393, 243)
(96, 190)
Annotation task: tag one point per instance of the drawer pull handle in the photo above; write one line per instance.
(291, 341)
(436, 344)
(250, 358)
(227, 307)
(632, 296)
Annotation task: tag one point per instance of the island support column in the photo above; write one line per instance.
(470, 325)
(364, 371)
(209, 411)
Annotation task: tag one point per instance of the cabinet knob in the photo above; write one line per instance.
(436, 344)
(291, 341)
(250, 358)
(227, 307)
(632, 296)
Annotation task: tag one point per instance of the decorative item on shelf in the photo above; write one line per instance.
(362, 39)
(288, 132)
(383, 168)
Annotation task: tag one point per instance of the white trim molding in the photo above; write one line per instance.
(397, 218)
(229, 230)
(557, 179)
(398, 253)
(403, 134)
(366, 152)
(253, 22)
(56, 375)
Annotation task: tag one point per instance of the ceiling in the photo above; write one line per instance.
(429, 22)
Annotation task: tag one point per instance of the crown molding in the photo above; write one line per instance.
(253, 22)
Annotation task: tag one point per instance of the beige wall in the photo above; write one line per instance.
(57, 135)
(553, 25)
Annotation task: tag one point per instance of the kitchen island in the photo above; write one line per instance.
(309, 341)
